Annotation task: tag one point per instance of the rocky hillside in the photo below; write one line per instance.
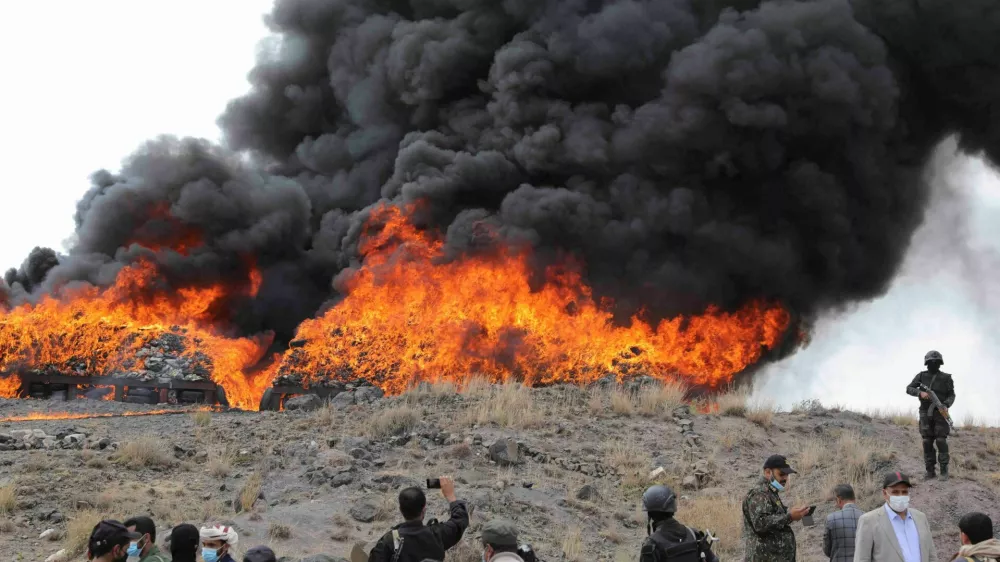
(567, 464)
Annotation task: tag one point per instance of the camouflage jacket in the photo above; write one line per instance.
(767, 526)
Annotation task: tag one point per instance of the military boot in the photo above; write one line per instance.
(930, 458)
(943, 456)
(944, 471)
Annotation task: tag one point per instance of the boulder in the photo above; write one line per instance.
(368, 394)
(342, 400)
(505, 452)
(364, 511)
(305, 403)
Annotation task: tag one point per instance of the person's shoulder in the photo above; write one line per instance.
(871, 514)
(917, 514)
(945, 375)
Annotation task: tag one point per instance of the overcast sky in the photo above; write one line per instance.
(87, 82)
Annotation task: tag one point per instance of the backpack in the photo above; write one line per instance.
(687, 551)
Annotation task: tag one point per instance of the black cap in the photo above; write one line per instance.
(779, 462)
(893, 478)
(107, 534)
(260, 554)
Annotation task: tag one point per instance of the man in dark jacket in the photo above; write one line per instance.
(767, 523)
(934, 428)
(669, 540)
(842, 526)
(412, 541)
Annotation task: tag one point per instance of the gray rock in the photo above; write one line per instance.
(56, 517)
(50, 534)
(690, 482)
(505, 452)
(360, 453)
(368, 394)
(341, 479)
(364, 511)
(356, 443)
(342, 400)
(60, 556)
(587, 493)
(305, 403)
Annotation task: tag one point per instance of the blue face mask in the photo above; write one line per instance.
(210, 554)
(776, 485)
(134, 550)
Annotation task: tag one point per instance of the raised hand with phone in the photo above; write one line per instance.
(412, 540)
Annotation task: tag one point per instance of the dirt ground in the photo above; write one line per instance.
(311, 483)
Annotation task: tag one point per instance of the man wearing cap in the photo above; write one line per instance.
(894, 532)
(109, 541)
(500, 541)
(767, 522)
(260, 554)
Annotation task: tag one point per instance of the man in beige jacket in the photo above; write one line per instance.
(894, 532)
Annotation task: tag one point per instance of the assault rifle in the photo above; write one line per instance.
(937, 404)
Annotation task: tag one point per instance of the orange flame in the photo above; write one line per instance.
(9, 386)
(407, 318)
(91, 331)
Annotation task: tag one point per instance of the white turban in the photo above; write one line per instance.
(223, 533)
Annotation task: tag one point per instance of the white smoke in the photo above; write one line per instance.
(946, 297)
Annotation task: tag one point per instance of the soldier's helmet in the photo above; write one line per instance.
(933, 356)
(659, 498)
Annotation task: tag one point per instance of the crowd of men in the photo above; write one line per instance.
(893, 532)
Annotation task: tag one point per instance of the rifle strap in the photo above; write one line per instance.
(397, 545)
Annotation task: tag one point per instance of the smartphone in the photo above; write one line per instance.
(812, 508)
(433, 483)
(807, 519)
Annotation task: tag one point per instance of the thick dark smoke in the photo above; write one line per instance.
(690, 152)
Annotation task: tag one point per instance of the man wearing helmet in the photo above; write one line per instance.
(669, 540)
(934, 427)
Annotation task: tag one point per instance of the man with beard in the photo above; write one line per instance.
(934, 428)
(767, 523)
(109, 541)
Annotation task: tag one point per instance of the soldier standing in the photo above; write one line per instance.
(767, 523)
(934, 428)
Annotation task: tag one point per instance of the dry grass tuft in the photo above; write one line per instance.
(897, 416)
(761, 411)
(595, 401)
(222, 464)
(723, 516)
(324, 416)
(251, 491)
(621, 401)
(629, 460)
(572, 545)
(202, 418)
(78, 530)
(8, 498)
(993, 443)
(661, 399)
(464, 551)
(813, 455)
(733, 402)
(144, 452)
(279, 531)
(507, 405)
(395, 420)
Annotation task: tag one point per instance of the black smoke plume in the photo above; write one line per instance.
(690, 152)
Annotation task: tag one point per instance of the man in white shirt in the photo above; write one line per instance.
(894, 532)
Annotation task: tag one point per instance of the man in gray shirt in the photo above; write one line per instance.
(838, 540)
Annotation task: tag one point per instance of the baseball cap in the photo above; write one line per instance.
(893, 478)
(779, 462)
(260, 554)
(499, 532)
(109, 533)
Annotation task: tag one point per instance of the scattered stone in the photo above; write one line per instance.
(50, 535)
(61, 556)
(368, 395)
(305, 403)
(505, 452)
(341, 479)
(363, 511)
(342, 400)
(587, 493)
(690, 482)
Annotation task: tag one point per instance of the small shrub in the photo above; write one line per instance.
(761, 411)
(143, 452)
(279, 531)
(572, 545)
(202, 418)
(629, 460)
(395, 420)
(993, 443)
(661, 399)
(723, 516)
(8, 499)
(251, 491)
(222, 464)
(507, 405)
(595, 401)
(78, 530)
(622, 401)
(733, 402)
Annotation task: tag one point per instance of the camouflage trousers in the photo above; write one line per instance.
(934, 432)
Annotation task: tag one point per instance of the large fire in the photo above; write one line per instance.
(408, 317)
(94, 331)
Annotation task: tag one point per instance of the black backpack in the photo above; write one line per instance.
(663, 551)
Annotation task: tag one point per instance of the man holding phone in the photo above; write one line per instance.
(412, 541)
(767, 523)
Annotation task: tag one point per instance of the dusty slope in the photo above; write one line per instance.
(181, 470)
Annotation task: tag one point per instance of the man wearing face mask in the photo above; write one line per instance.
(767, 522)
(144, 548)
(894, 532)
(217, 542)
(109, 542)
(934, 428)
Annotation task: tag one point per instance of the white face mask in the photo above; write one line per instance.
(899, 503)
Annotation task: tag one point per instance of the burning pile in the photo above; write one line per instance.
(409, 318)
(133, 329)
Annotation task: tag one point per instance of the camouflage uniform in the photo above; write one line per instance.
(767, 526)
(934, 428)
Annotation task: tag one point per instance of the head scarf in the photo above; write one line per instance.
(224, 533)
